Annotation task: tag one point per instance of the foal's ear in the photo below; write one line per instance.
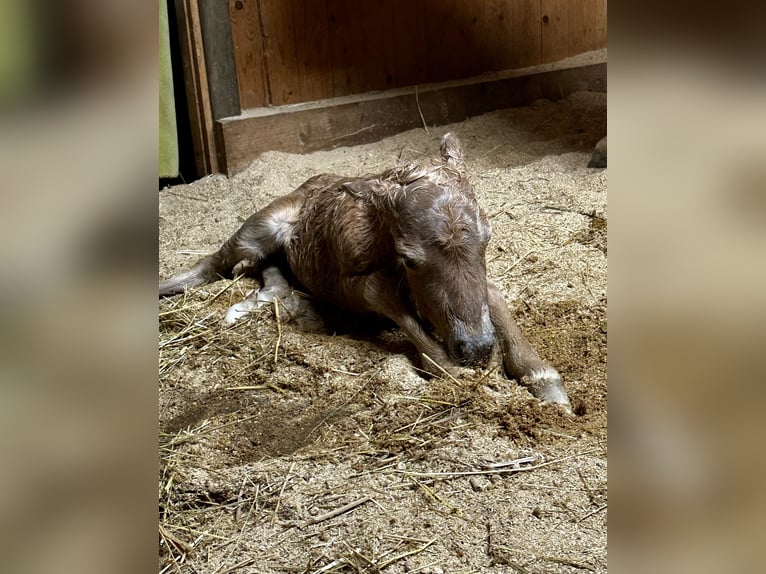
(452, 151)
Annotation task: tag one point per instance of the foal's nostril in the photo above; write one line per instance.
(484, 350)
(472, 350)
(462, 350)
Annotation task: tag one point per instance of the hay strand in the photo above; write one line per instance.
(440, 368)
(417, 103)
(279, 329)
(404, 555)
(336, 512)
(281, 493)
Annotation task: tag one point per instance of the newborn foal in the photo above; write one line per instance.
(408, 244)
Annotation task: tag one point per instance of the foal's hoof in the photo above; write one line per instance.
(546, 385)
(598, 159)
(254, 301)
(241, 309)
(563, 404)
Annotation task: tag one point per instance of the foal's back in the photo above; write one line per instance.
(339, 235)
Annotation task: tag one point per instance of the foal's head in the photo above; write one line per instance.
(441, 235)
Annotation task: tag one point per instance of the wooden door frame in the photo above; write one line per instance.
(210, 77)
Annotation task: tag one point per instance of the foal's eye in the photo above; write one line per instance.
(409, 263)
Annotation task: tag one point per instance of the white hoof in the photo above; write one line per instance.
(240, 310)
(546, 385)
(255, 300)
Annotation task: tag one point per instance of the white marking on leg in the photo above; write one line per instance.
(548, 381)
(243, 308)
(275, 287)
(281, 225)
(280, 230)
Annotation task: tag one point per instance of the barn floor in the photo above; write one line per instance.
(266, 430)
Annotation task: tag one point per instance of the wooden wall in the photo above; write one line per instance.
(353, 70)
(291, 51)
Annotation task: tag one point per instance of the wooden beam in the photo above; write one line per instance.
(410, 47)
(312, 42)
(555, 30)
(352, 120)
(345, 39)
(247, 41)
(280, 53)
(196, 84)
(219, 58)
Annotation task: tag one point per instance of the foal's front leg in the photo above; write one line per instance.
(380, 295)
(521, 361)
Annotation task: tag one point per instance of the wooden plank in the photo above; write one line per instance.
(359, 119)
(587, 26)
(248, 52)
(280, 52)
(410, 45)
(343, 17)
(472, 60)
(219, 58)
(312, 43)
(499, 34)
(196, 85)
(377, 45)
(452, 42)
(555, 30)
(314, 49)
(481, 52)
(437, 26)
(600, 18)
(526, 31)
(580, 32)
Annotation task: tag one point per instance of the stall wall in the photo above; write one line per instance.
(291, 51)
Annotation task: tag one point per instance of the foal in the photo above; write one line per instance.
(408, 244)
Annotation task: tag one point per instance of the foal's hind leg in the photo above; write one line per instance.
(275, 286)
(521, 361)
(263, 234)
(295, 308)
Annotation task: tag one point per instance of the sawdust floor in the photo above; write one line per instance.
(265, 429)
